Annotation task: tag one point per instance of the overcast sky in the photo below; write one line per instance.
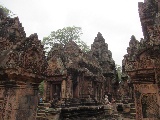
(117, 20)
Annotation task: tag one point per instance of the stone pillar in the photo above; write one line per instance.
(2, 100)
(69, 88)
(19, 101)
(51, 91)
(63, 89)
(45, 91)
(76, 89)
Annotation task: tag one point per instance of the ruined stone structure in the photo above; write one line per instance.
(79, 78)
(72, 74)
(127, 86)
(143, 60)
(21, 67)
(100, 50)
(73, 77)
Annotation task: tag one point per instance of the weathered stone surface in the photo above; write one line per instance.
(100, 50)
(72, 77)
(22, 63)
(77, 73)
(142, 63)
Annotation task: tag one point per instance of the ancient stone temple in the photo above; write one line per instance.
(78, 78)
(78, 81)
(142, 63)
(73, 74)
(100, 50)
(21, 68)
(127, 86)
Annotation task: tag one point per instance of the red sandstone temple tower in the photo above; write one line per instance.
(142, 63)
(21, 67)
(100, 50)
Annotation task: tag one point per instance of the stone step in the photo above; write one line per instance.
(41, 111)
(118, 101)
(40, 107)
(115, 114)
(132, 105)
(1, 100)
(132, 110)
(132, 115)
(41, 118)
(43, 104)
(41, 114)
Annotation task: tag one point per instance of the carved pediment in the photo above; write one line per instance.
(20, 55)
(71, 49)
(55, 67)
(11, 32)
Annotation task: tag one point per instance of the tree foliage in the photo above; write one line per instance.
(41, 88)
(7, 12)
(63, 36)
(119, 72)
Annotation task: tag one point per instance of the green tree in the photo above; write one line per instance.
(119, 72)
(63, 36)
(41, 87)
(7, 12)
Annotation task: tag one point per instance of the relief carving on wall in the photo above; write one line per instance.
(149, 105)
(146, 101)
(10, 98)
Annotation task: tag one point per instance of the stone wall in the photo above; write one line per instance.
(22, 63)
(142, 63)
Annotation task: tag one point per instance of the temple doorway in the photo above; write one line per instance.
(56, 90)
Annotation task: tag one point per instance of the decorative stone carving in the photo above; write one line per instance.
(100, 50)
(143, 69)
(22, 63)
